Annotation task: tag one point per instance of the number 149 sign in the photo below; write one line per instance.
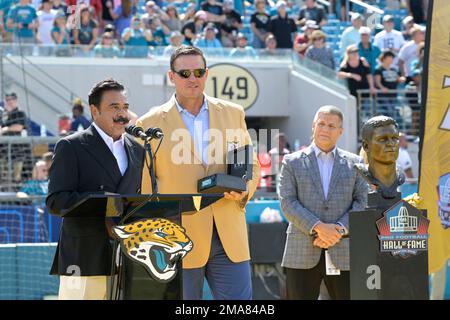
(232, 83)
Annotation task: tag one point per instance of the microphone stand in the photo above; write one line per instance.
(116, 286)
(148, 148)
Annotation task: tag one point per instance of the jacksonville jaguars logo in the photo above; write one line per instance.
(157, 244)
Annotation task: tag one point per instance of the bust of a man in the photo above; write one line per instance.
(380, 140)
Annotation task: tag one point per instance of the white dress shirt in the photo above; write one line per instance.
(198, 127)
(117, 148)
(325, 162)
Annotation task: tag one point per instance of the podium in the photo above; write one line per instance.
(132, 280)
(388, 251)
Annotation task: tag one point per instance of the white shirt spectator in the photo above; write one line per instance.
(393, 41)
(389, 40)
(404, 159)
(46, 20)
(117, 148)
(408, 54)
(350, 36)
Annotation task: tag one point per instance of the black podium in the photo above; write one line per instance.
(132, 280)
(388, 251)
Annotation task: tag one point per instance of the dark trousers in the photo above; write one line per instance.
(304, 284)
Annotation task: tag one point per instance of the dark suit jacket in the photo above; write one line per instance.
(82, 165)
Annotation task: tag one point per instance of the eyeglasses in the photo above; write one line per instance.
(198, 73)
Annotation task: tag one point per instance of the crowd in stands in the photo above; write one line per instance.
(378, 57)
(115, 28)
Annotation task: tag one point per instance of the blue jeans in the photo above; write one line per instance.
(227, 280)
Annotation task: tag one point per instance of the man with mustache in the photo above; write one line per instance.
(100, 159)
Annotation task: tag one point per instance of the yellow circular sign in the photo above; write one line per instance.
(232, 83)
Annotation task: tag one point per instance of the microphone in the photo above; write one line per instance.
(136, 131)
(154, 133)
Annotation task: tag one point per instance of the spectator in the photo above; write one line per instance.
(159, 32)
(85, 36)
(107, 48)
(192, 29)
(312, 11)
(414, 87)
(60, 6)
(106, 15)
(79, 121)
(122, 14)
(153, 11)
(13, 123)
(303, 41)
(283, 27)
(176, 40)
(389, 39)
(173, 23)
(387, 78)
(259, 23)
(231, 26)
(404, 159)
(110, 28)
(417, 66)
(351, 34)
(418, 9)
(5, 32)
(48, 159)
(38, 185)
(46, 18)
(367, 50)
(22, 19)
(280, 149)
(271, 47)
(95, 6)
(136, 39)
(408, 52)
(320, 51)
(408, 23)
(209, 39)
(356, 71)
(242, 50)
(61, 36)
(214, 11)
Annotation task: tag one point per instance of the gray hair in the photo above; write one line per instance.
(329, 109)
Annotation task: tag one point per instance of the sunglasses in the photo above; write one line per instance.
(198, 73)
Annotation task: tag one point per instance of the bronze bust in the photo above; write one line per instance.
(380, 140)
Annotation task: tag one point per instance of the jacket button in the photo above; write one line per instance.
(326, 207)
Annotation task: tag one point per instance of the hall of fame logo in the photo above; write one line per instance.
(403, 230)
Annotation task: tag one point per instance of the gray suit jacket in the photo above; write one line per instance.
(303, 203)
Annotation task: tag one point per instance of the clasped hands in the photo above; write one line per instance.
(327, 234)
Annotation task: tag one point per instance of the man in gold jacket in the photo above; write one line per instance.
(199, 131)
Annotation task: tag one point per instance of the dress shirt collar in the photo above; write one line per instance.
(183, 110)
(108, 139)
(317, 151)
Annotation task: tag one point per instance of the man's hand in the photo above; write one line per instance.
(328, 233)
(236, 196)
(109, 224)
(320, 243)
